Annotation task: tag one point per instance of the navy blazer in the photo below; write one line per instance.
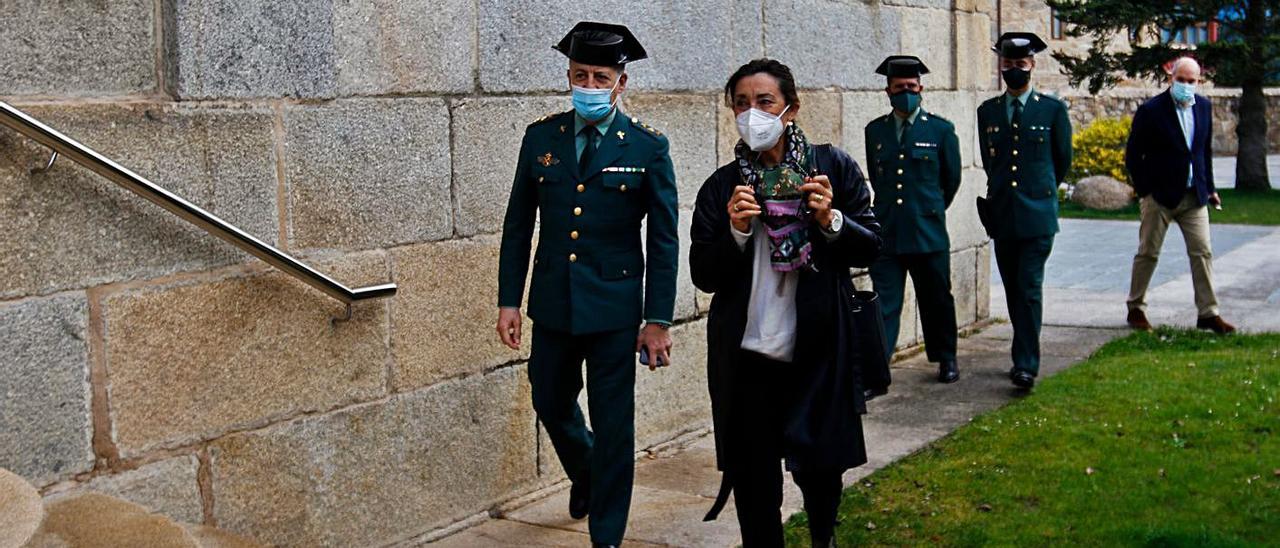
(1157, 155)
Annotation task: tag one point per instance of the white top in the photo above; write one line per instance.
(1187, 119)
(771, 311)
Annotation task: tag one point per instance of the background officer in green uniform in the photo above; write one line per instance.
(1026, 151)
(913, 158)
(592, 174)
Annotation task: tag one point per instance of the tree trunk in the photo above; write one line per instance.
(1251, 136)
(1251, 132)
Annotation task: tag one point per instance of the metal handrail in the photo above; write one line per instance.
(62, 145)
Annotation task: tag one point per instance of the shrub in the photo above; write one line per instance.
(1099, 150)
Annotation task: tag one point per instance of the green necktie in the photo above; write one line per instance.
(902, 137)
(588, 151)
(1017, 114)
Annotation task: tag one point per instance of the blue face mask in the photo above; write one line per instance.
(593, 104)
(1183, 93)
(905, 101)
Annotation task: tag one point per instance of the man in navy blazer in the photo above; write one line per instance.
(1170, 161)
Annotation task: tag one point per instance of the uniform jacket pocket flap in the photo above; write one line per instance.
(619, 179)
(924, 154)
(617, 268)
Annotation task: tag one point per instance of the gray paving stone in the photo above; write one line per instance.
(78, 49)
(686, 42)
(45, 426)
(238, 48)
(71, 228)
(664, 518)
(818, 59)
(368, 173)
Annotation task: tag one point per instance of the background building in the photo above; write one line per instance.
(376, 140)
(1123, 100)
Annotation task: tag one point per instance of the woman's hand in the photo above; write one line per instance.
(819, 189)
(742, 207)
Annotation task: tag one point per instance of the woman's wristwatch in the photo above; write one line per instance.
(837, 222)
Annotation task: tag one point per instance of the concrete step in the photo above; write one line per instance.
(21, 509)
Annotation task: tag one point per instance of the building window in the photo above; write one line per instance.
(1055, 25)
(1189, 36)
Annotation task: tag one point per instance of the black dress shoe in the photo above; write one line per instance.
(580, 499)
(948, 372)
(1022, 379)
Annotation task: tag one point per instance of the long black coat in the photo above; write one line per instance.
(824, 427)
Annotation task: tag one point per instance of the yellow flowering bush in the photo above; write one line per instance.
(1099, 150)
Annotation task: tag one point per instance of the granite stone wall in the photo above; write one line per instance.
(374, 139)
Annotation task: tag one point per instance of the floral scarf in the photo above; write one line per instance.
(785, 216)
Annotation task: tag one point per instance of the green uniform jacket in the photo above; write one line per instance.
(1024, 164)
(914, 182)
(589, 269)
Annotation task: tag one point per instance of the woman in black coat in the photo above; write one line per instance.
(774, 235)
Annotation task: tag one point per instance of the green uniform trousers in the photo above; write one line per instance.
(605, 458)
(931, 275)
(1021, 264)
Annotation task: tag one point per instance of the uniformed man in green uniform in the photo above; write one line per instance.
(1025, 137)
(913, 158)
(591, 174)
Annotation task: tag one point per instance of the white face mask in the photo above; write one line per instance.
(759, 129)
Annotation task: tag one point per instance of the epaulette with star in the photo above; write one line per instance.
(646, 127)
(546, 118)
(935, 116)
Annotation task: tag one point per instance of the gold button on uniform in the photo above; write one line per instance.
(582, 188)
(899, 171)
(1015, 152)
(902, 156)
(1014, 184)
(577, 211)
(899, 186)
(540, 179)
(573, 235)
(622, 188)
(1014, 168)
(899, 201)
(573, 257)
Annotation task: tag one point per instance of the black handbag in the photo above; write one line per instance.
(870, 346)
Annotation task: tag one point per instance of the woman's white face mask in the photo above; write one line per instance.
(759, 129)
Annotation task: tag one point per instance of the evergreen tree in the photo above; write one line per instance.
(1246, 55)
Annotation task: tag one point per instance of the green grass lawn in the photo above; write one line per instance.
(1169, 438)
(1245, 208)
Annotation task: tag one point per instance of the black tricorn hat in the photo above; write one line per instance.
(902, 66)
(1016, 45)
(601, 44)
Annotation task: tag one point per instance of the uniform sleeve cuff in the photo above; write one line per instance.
(663, 323)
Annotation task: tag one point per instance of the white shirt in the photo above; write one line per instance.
(1187, 119)
(771, 310)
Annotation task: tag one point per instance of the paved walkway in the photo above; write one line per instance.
(1087, 277)
(1224, 171)
(1085, 287)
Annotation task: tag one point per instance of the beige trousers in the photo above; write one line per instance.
(1193, 219)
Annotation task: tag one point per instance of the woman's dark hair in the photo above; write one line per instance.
(773, 68)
